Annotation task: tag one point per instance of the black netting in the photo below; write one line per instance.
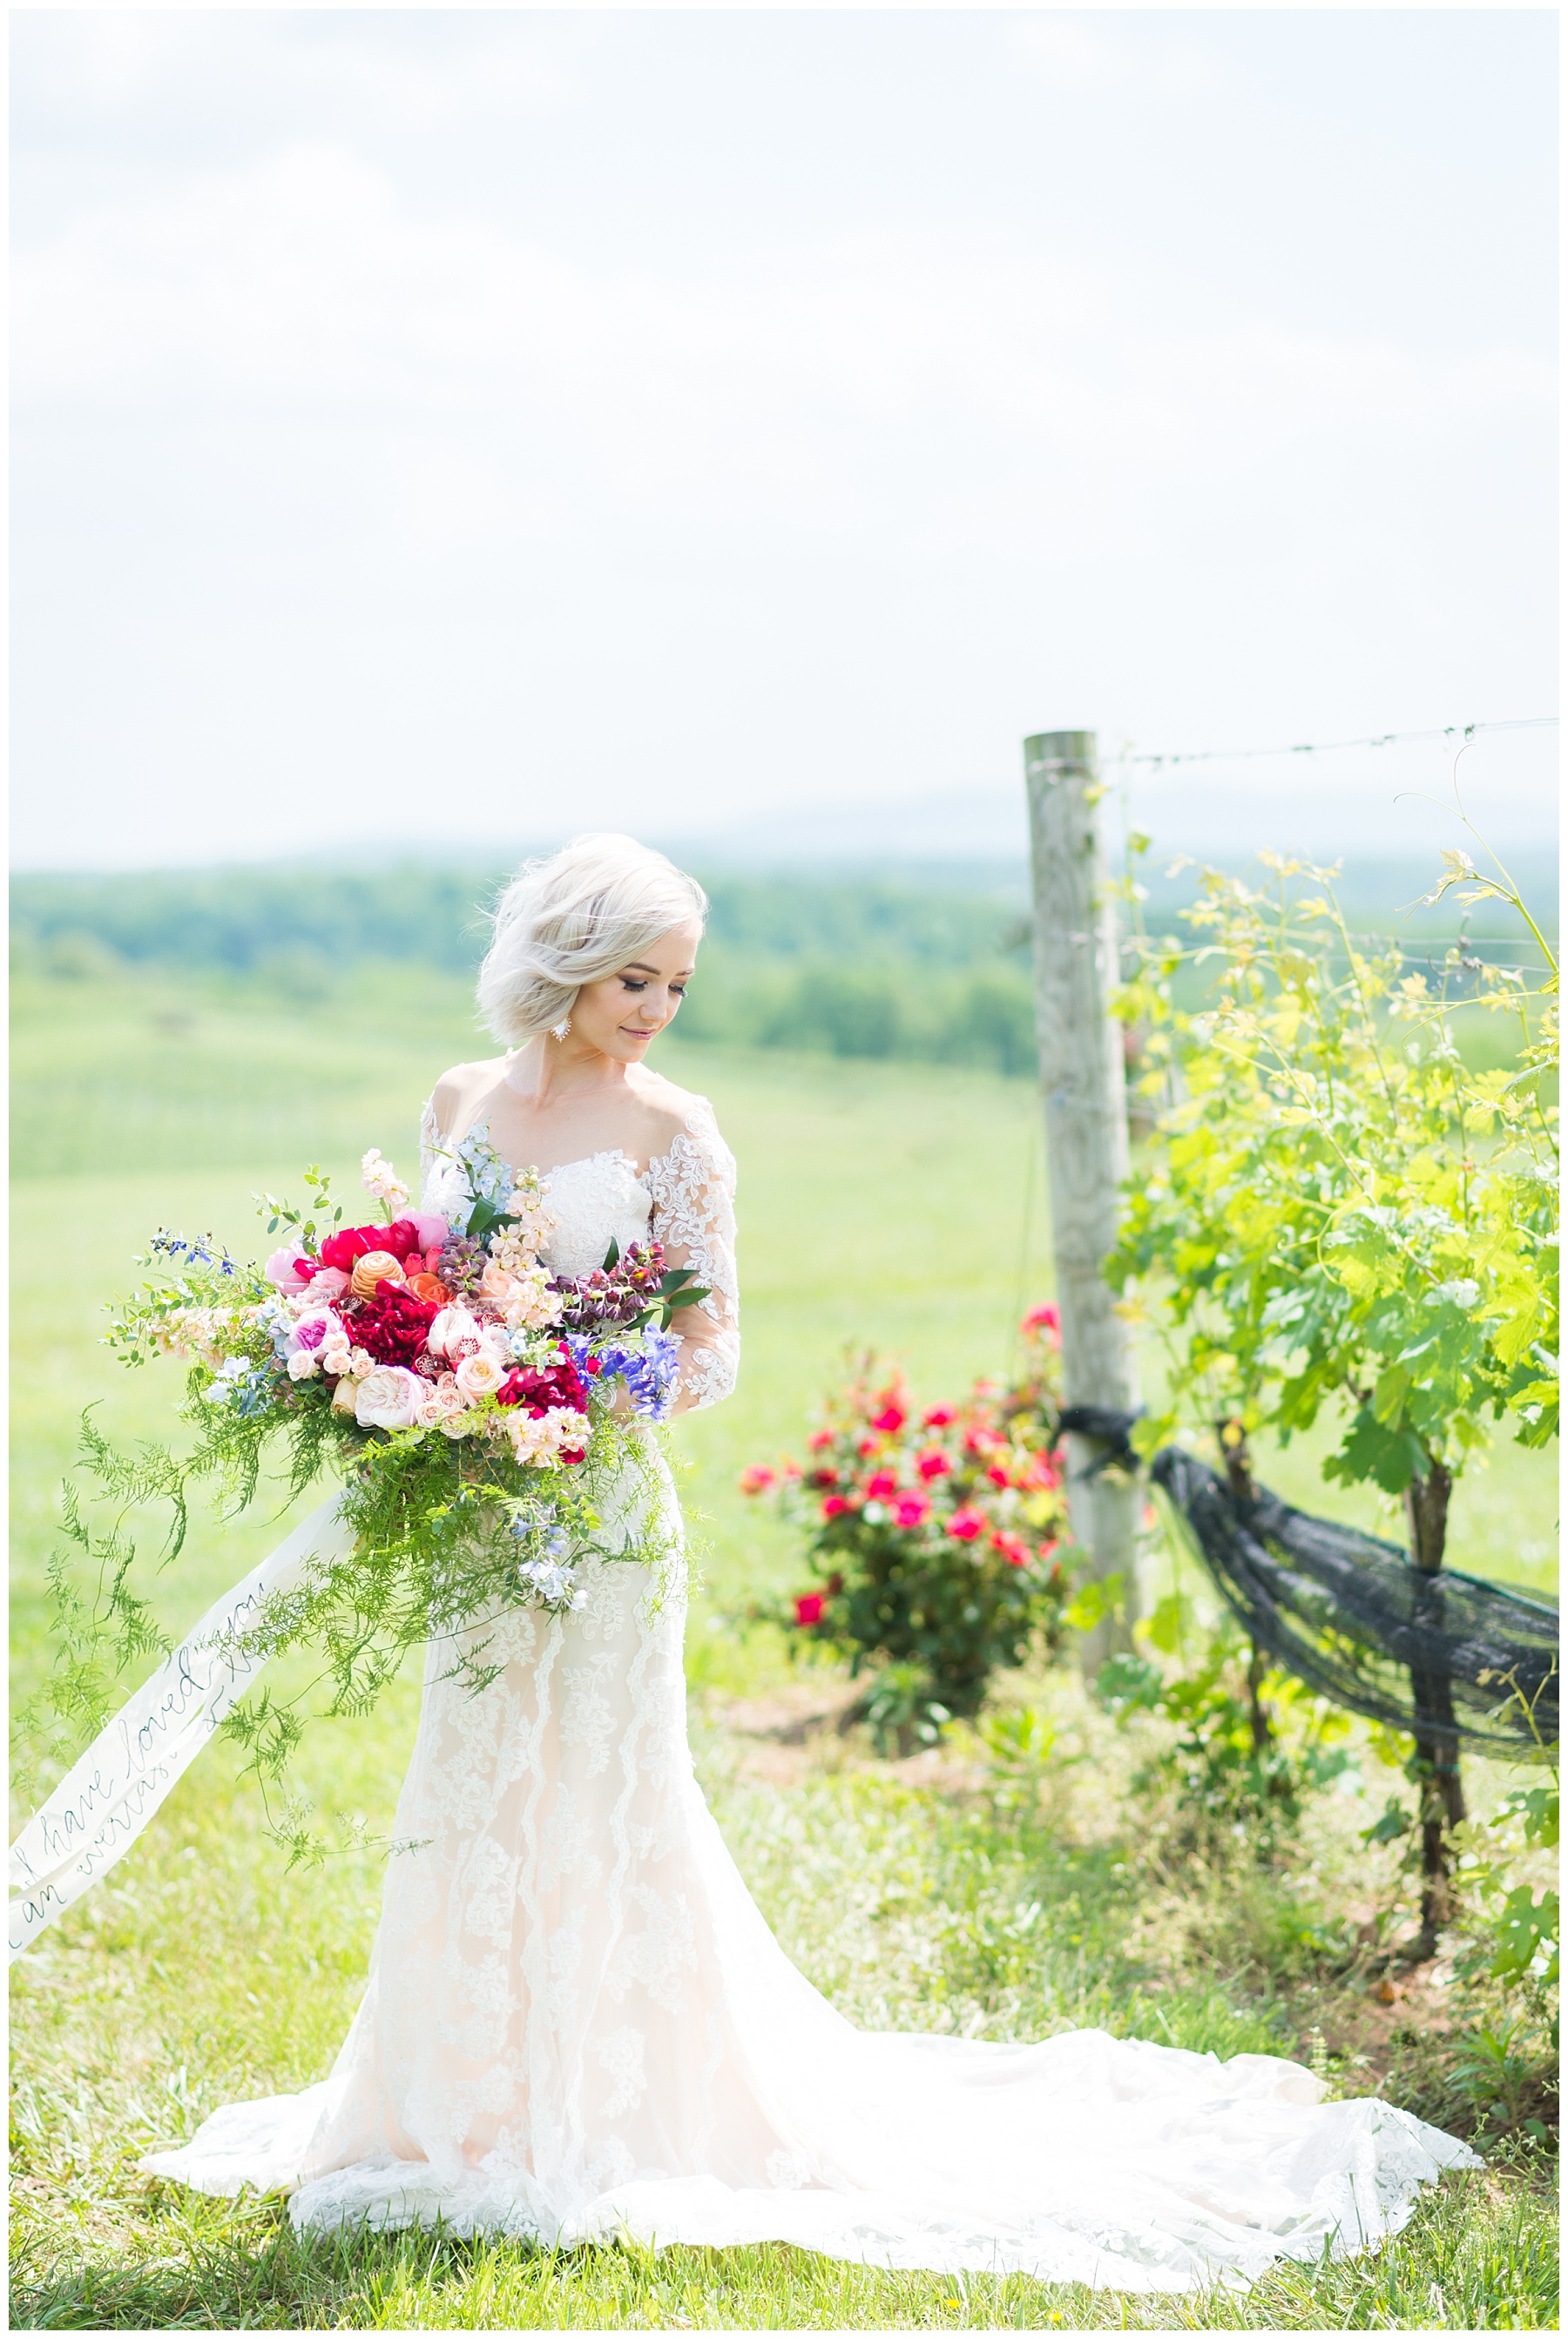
(1348, 1614)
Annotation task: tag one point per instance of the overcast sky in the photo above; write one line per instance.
(451, 428)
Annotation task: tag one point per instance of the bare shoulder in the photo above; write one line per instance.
(458, 1091)
(665, 1111)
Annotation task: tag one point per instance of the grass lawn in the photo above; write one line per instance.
(892, 1206)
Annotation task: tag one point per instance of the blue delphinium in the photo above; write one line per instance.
(649, 1364)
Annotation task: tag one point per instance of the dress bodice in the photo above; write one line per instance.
(684, 1199)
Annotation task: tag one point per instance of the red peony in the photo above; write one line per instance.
(394, 1326)
(541, 1393)
(808, 1608)
(351, 1243)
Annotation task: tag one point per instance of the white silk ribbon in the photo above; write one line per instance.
(102, 1805)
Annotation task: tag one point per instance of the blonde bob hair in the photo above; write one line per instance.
(583, 914)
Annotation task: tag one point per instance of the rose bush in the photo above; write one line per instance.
(938, 1536)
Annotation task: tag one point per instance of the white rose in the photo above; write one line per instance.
(389, 1397)
(302, 1364)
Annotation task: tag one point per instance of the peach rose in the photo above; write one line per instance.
(480, 1375)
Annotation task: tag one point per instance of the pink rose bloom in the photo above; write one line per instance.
(911, 1510)
(287, 1270)
(934, 1463)
(432, 1229)
(965, 1525)
(389, 1397)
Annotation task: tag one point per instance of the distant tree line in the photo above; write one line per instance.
(845, 965)
(848, 964)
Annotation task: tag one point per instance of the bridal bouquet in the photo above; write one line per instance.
(479, 1411)
(436, 1360)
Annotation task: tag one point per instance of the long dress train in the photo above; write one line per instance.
(578, 2023)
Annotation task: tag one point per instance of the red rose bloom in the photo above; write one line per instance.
(394, 1326)
(881, 1487)
(889, 1420)
(808, 1608)
(834, 1507)
(965, 1525)
(934, 1463)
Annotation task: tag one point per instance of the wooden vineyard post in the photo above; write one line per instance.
(1084, 1088)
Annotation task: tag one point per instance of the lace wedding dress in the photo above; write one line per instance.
(578, 2023)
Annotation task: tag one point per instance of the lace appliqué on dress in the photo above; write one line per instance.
(694, 1217)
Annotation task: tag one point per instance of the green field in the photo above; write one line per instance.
(887, 1204)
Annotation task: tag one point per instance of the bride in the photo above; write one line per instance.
(577, 2023)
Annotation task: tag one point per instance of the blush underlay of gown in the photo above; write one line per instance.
(577, 2024)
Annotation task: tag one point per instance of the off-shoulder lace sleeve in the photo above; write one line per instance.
(694, 1217)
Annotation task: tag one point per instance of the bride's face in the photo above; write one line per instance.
(622, 1014)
